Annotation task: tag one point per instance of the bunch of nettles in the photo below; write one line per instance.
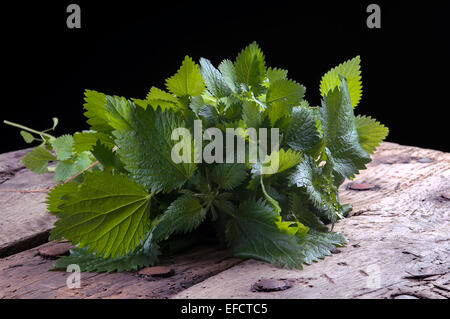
(123, 201)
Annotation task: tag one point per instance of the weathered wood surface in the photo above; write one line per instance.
(27, 275)
(399, 245)
(24, 222)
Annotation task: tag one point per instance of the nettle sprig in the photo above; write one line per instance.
(130, 201)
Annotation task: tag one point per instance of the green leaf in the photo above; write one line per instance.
(183, 216)
(340, 132)
(145, 149)
(281, 96)
(317, 185)
(96, 111)
(107, 157)
(108, 213)
(300, 208)
(144, 256)
(91, 262)
(252, 232)
(86, 140)
(371, 133)
(55, 122)
(280, 161)
(229, 176)
(63, 147)
(214, 80)
(226, 67)
(187, 81)
(68, 168)
(351, 71)
(251, 114)
(250, 67)
(302, 133)
(28, 138)
(318, 244)
(164, 100)
(275, 74)
(37, 160)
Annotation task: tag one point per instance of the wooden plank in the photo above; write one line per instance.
(27, 275)
(24, 222)
(399, 245)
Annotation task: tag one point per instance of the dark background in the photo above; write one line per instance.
(125, 48)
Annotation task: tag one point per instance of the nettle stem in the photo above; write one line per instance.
(25, 128)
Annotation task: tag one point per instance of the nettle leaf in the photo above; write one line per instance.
(214, 80)
(183, 216)
(300, 208)
(37, 160)
(229, 176)
(226, 67)
(27, 137)
(108, 213)
(187, 81)
(275, 74)
(86, 140)
(350, 70)
(317, 185)
(252, 232)
(340, 133)
(280, 161)
(371, 132)
(90, 262)
(63, 146)
(96, 111)
(251, 114)
(250, 66)
(145, 255)
(68, 168)
(302, 133)
(107, 157)
(281, 96)
(164, 100)
(317, 245)
(145, 149)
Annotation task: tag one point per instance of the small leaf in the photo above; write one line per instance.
(250, 66)
(55, 122)
(187, 81)
(371, 133)
(282, 95)
(228, 71)
(37, 160)
(214, 80)
(164, 100)
(63, 147)
(350, 70)
(27, 136)
(229, 176)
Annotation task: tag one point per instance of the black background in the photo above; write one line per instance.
(125, 48)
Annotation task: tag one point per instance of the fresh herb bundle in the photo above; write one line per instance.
(124, 201)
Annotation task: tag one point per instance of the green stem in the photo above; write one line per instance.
(28, 129)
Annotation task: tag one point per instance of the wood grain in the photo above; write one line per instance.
(27, 275)
(24, 222)
(399, 245)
